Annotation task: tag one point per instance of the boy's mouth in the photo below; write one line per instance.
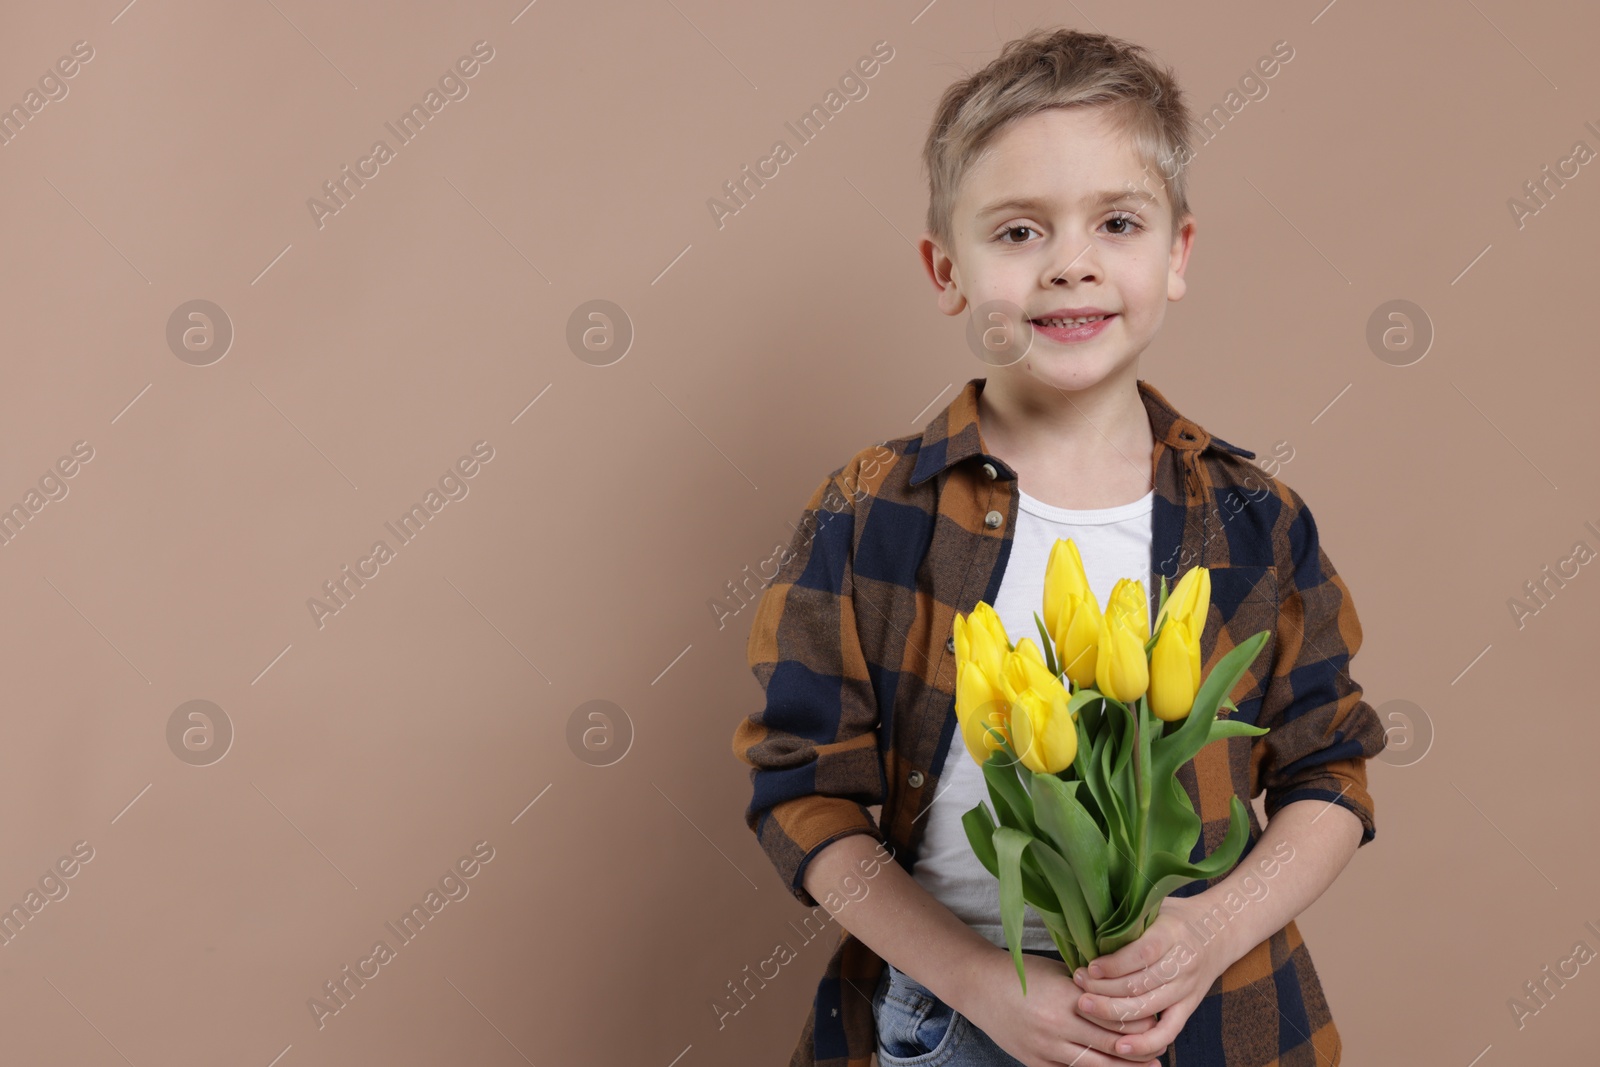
(1069, 329)
(1074, 321)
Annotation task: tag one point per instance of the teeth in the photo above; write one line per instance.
(1070, 322)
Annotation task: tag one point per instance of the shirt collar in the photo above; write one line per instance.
(953, 436)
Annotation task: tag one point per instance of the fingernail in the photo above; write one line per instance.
(1086, 1003)
(1094, 970)
(1077, 976)
(1123, 1046)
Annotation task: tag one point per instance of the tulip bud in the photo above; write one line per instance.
(1189, 599)
(1043, 731)
(1028, 649)
(986, 636)
(1071, 613)
(1078, 639)
(1128, 597)
(980, 705)
(1025, 670)
(1064, 582)
(1044, 734)
(1174, 671)
(1122, 672)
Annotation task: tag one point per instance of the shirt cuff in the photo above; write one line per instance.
(1343, 782)
(796, 830)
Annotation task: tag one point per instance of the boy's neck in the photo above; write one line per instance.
(1084, 449)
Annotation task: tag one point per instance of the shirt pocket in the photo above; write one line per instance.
(1244, 601)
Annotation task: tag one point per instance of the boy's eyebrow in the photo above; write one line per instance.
(1029, 203)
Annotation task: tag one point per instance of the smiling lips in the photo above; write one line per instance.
(1056, 321)
(1071, 316)
(1069, 325)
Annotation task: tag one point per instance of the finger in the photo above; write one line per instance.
(1111, 1011)
(1103, 1038)
(1153, 1041)
(1121, 1026)
(1129, 985)
(1076, 1055)
(1150, 947)
(1126, 1023)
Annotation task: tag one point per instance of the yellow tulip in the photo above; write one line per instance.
(1128, 596)
(1045, 736)
(1122, 672)
(1025, 669)
(1190, 599)
(1042, 729)
(1077, 642)
(1064, 579)
(1071, 612)
(980, 704)
(1030, 651)
(985, 639)
(1174, 670)
(981, 650)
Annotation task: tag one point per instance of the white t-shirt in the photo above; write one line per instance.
(1114, 543)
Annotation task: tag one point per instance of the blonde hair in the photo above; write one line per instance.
(1060, 69)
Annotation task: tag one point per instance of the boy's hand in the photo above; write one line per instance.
(1167, 970)
(1043, 1028)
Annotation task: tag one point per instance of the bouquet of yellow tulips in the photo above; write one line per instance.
(1080, 746)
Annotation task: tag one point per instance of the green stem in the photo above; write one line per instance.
(1141, 784)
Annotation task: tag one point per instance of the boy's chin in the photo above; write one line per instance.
(1066, 370)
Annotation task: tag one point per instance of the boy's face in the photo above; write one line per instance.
(1032, 237)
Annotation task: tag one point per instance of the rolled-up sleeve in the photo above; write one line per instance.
(815, 766)
(1322, 730)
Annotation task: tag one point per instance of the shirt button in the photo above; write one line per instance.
(950, 643)
(990, 472)
(993, 519)
(915, 779)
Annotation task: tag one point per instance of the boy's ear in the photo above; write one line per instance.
(944, 274)
(1178, 259)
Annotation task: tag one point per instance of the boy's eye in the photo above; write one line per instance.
(1128, 221)
(1128, 225)
(1015, 229)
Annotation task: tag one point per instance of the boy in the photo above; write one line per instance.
(1059, 219)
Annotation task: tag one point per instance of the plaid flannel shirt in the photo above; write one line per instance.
(852, 644)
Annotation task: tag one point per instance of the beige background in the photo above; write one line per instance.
(368, 355)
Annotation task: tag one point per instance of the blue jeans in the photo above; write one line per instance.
(917, 1029)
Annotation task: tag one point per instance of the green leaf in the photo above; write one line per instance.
(1168, 872)
(1174, 826)
(1008, 845)
(1179, 747)
(1117, 766)
(1088, 775)
(1150, 642)
(1063, 939)
(1085, 706)
(1048, 646)
(979, 825)
(1064, 881)
(1007, 792)
(1075, 836)
(1002, 806)
(1119, 823)
(980, 828)
(1221, 728)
